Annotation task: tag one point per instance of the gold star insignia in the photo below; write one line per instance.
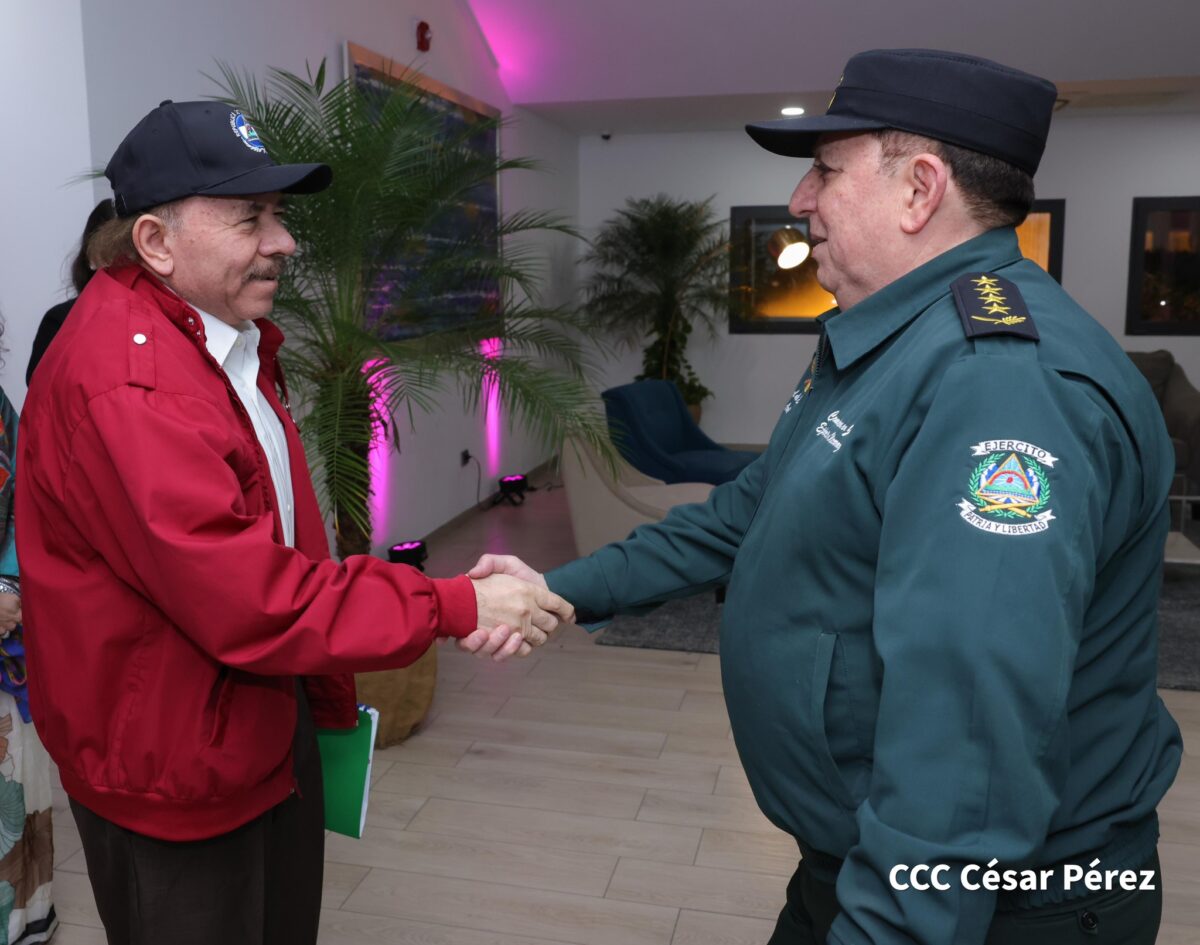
(986, 280)
(995, 309)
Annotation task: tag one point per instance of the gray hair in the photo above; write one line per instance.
(996, 193)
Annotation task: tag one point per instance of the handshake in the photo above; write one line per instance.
(517, 611)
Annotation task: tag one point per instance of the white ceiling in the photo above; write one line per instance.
(676, 65)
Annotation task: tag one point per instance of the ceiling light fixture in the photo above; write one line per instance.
(792, 110)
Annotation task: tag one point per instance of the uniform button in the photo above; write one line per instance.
(139, 339)
(1089, 921)
(191, 321)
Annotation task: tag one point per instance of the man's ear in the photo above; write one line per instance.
(926, 178)
(150, 240)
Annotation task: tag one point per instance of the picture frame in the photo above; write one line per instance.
(1164, 267)
(1041, 235)
(763, 298)
(459, 113)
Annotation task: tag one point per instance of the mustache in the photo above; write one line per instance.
(273, 270)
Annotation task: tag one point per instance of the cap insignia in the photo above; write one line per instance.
(246, 132)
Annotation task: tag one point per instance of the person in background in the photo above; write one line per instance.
(939, 644)
(187, 627)
(81, 273)
(26, 839)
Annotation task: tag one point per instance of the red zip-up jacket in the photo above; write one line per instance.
(165, 621)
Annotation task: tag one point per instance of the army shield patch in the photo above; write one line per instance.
(1008, 493)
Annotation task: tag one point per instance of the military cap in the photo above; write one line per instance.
(963, 100)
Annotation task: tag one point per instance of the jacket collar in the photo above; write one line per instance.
(863, 327)
(144, 283)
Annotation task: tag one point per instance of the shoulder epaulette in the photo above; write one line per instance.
(991, 305)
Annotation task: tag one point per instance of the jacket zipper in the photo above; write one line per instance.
(818, 359)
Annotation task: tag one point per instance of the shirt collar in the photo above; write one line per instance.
(863, 327)
(220, 337)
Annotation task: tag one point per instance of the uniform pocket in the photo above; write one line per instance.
(824, 662)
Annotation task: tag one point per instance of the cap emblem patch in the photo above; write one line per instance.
(245, 131)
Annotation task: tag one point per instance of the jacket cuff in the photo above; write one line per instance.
(456, 612)
(582, 582)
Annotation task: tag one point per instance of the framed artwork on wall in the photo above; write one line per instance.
(1041, 235)
(468, 122)
(1164, 267)
(773, 279)
(768, 293)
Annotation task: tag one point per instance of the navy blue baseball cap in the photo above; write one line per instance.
(182, 149)
(963, 100)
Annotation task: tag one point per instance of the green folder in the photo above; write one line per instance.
(346, 769)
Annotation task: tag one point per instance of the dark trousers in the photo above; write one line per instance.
(257, 885)
(1103, 918)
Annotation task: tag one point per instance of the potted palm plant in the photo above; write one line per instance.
(396, 175)
(661, 267)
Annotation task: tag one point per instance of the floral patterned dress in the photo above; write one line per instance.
(26, 842)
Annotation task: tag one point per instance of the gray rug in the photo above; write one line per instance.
(692, 624)
(1179, 628)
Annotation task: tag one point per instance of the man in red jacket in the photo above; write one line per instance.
(185, 625)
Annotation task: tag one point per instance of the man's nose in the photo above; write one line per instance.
(802, 202)
(278, 241)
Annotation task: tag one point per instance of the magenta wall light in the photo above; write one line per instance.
(491, 348)
(380, 456)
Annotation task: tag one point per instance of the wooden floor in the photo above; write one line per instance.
(584, 796)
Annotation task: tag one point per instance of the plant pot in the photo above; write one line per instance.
(402, 696)
(694, 410)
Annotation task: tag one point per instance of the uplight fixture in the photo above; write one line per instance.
(412, 553)
(512, 490)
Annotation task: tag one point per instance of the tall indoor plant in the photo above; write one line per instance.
(397, 173)
(661, 267)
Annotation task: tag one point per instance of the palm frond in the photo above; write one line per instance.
(398, 176)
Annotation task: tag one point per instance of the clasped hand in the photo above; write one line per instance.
(517, 611)
(10, 613)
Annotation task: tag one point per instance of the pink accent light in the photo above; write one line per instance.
(407, 546)
(380, 455)
(491, 348)
(513, 479)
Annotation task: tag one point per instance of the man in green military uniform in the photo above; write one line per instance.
(939, 638)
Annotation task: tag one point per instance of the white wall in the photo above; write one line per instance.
(1098, 163)
(142, 51)
(45, 147)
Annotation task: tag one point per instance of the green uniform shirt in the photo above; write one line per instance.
(939, 637)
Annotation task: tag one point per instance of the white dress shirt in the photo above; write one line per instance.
(236, 350)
